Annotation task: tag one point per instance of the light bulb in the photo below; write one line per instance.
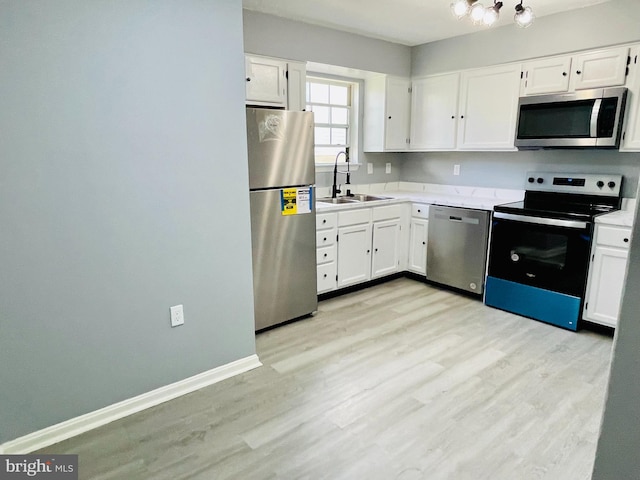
(460, 8)
(477, 12)
(524, 16)
(491, 14)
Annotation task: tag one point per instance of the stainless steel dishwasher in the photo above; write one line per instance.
(457, 247)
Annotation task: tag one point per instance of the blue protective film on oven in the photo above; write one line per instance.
(544, 305)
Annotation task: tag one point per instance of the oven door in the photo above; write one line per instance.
(538, 267)
(547, 253)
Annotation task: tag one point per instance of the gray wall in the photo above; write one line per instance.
(610, 23)
(278, 37)
(122, 192)
(508, 169)
(619, 443)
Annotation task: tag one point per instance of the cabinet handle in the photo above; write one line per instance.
(564, 74)
(626, 240)
(389, 117)
(578, 72)
(376, 250)
(324, 221)
(453, 116)
(325, 239)
(325, 275)
(368, 251)
(419, 211)
(461, 116)
(325, 255)
(424, 243)
(248, 79)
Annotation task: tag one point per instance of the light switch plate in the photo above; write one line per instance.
(387, 168)
(456, 169)
(370, 168)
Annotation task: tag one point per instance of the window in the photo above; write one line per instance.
(331, 102)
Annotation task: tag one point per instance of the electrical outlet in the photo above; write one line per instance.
(177, 316)
(387, 168)
(370, 168)
(456, 169)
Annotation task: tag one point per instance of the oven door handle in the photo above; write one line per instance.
(553, 222)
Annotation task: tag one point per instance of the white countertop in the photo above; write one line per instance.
(399, 192)
(623, 217)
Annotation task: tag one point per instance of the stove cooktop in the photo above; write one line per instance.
(567, 196)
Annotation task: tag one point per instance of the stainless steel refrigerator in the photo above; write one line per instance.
(283, 217)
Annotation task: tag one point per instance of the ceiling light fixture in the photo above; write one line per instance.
(476, 13)
(524, 16)
(460, 8)
(491, 14)
(481, 15)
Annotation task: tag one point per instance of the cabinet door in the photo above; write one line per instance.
(631, 134)
(266, 82)
(434, 112)
(488, 108)
(354, 254)
(607, 276)
(398, 105)
(386, 239)
(604, 68)
(418, 246)
(546, 76)
(296, 86)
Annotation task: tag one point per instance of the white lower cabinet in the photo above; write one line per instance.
(355, 246)
(354, 254)
(326, 251)
(419, 230)
(607, 275)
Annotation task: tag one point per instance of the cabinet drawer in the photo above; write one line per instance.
(325, 254)
(354, 217)
(387, 212)
(327, 277)
(324, 238)
(326, 220)
(613, 236)
(420, 210)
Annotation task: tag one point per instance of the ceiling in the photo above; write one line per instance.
(408, 22)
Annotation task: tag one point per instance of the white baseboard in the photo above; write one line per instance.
(75, 426)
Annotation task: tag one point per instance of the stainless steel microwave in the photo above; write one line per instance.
(584, 119)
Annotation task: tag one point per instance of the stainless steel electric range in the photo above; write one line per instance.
(540, 247)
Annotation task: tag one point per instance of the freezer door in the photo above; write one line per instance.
(280, 148)
(284, 260)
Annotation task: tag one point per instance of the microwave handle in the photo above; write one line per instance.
(595, 114)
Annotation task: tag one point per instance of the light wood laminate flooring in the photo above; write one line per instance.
(398, 381)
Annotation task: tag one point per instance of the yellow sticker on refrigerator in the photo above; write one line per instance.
(295, 201)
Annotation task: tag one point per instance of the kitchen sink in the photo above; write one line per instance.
(363, 197)
(337, 200)
(356, 198)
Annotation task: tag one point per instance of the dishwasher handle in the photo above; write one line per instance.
(457, 218)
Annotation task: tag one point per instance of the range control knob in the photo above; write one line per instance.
(611, 184)
(600, 183)
(531, 179)
(540, 180)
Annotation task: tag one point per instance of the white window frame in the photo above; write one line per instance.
(353, 131)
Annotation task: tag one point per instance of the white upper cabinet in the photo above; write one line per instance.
(549, 75)
(595, 69)
(296, 86)
(488, 108)
(387, 104)
(266, 81)
(631, 132)
(603, 68)
(434, 112)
